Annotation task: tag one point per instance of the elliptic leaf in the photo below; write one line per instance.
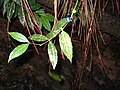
(18, 36)
(57, 28)
(19, 50)
(38, 37)
(40, 12)
(45, 23)
(10, 10)
(60, 24)
(52, 52)
(55, 76)
(20, 16)
(66, 45)
(29, 21)
(49, 17)
(53, 34)
(35, 6)
(5, 4)
(38, 20)
(31, 2)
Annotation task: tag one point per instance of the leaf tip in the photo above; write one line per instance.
(9, 60)
(70, 61)
(54, 67)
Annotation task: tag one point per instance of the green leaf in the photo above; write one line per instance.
(35, 6)
(28, 21)
(15, 13)
(20, 16)
(5, 6)
(31, 2)
(53, 34)
(40, 12)
(17, 1)
(10, 10)
(57, 28)
(49, 17)
(38, 37)
(55, 76)
(38, 20)
(66, 45)
(52, 52)
(45, 23)
(19, 50)
(18, 36)
(60, 24)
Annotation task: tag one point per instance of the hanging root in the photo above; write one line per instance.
(90, 35)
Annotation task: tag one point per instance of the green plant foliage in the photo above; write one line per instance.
(38, 37)
(60, 24)
(66, 45)
(44, 19)
(57, 28)
(17, 1)
(13, 8)
(49, 17)
(28, 21)
(18, 36)
(19, 50)
(31, 2)
(55, 76)
(40, 12)
(10, 10)
(5, 6)
(45, 23)
(20, 16)
(35, 6)
(9, 7)
(52, 52)
(38, 19)
(53, 34)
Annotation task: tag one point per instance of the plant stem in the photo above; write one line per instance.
(74, 9)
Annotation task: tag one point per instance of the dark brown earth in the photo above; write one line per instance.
(30, 71)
